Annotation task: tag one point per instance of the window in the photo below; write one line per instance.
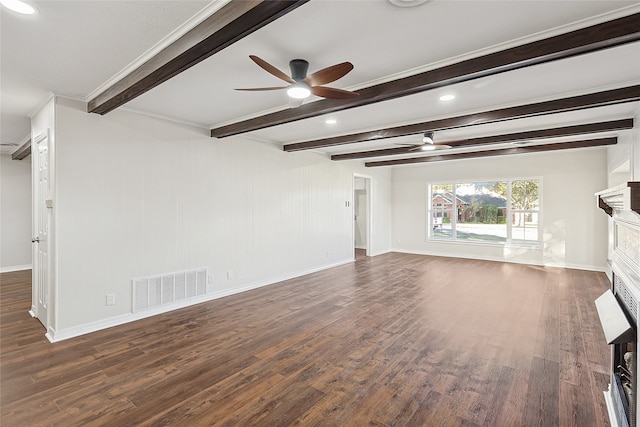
(524, 211)
(492, 212)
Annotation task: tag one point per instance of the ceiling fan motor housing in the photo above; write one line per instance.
(299, 68)
(428, 137)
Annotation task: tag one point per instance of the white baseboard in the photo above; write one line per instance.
(499, 259)
(372, 253)
(75, 331)
(15, 268)
(609, 401)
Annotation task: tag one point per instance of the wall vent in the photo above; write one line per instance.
(155, 291)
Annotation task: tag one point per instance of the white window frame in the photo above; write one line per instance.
(508, 220)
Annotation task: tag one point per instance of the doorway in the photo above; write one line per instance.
(361, 216)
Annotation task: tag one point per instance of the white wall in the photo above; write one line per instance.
(138, 196)
(634, 141)
(623, 159)
(635, 167)
(575, 230)
(15, 213)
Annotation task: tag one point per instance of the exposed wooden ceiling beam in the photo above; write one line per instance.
(501, 152)
(590, 39)
(509, 137)
(597, 99)
(232, 22)
(23, 151)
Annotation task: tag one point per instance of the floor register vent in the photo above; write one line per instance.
(155, 291)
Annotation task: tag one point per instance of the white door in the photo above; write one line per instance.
(42, 221)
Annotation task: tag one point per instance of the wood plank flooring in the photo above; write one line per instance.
(393, 340)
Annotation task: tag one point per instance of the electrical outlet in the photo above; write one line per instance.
(111, 299)
(210, 279)
(230, 275)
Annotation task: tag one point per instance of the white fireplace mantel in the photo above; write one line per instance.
(622, 198)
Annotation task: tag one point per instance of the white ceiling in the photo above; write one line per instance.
(72, 48)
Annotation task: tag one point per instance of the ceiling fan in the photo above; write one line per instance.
(302, 86)
(428, 144)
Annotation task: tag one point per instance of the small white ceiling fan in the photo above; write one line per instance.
(428, 144)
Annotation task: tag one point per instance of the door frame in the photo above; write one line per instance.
(38, 198)
(369, 216)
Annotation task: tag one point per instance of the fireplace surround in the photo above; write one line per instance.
(618, 308)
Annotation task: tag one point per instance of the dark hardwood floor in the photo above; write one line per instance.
(392, 340)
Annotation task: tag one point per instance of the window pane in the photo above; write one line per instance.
(441, 188)
(481, 211)
(525, 227)
(524, 194)
(442, 210)
(441, 224)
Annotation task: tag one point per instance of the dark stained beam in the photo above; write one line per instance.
(586, 40)
(373, 153)
(597, 99)
(232, 22)
(501, 152)
(23, 151)
(509, 137)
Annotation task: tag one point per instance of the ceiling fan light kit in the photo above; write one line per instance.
(428, 147)
(299, 91)
(302, 86)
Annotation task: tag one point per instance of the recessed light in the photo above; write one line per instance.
(18, 6)
(331, 121)
(447, 97)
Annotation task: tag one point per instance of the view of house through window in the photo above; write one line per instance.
(498, 211)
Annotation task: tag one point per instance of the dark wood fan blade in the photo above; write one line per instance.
(263, 88)
(331, 93)
(271, 69)
(329, 74)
